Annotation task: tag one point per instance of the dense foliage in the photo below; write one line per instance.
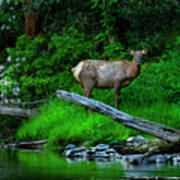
(75, 31)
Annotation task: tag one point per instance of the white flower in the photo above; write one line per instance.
(8, 27)
(17, 65)
(6, 101)
(8, 1)
(1, 94)
(24, 59)
(1, 1)
(9, 59)
(1, 67)
(17, 59)
(6, 83)
(19, 100)
(16, 91)
(2, 74)
(13, 101)
(3, 26)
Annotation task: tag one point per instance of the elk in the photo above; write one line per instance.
(108, 74)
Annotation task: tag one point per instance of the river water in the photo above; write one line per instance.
(40, 165)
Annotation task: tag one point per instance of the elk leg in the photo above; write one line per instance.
(125, 84)
(117, 88)
(88, 81)
(87, 91)
(88, 87)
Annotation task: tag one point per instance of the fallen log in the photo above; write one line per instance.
(25, 145)
(33, 103)
(13, 111)
(31, 144)
(154, 129)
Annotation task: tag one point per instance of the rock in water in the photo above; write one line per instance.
(102, 147)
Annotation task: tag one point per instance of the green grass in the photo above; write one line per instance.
(68, 123)
(63, 122)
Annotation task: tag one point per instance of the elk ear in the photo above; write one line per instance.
(144, 51)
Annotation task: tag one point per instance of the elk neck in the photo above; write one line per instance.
(135, 69)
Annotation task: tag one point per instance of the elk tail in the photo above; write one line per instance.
(73, 69)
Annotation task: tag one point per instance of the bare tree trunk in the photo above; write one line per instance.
(154, 129)
(30, 19)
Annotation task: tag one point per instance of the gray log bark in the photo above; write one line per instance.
(12, 111)
(148, 127)
(25, 145)
(31, 144)
(33, 103)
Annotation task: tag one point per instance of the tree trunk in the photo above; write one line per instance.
(148, 127)
(30, 19)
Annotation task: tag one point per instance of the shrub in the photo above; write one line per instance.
(38, 68)
(68, 49)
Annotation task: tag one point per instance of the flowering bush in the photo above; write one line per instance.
(35, 68)
(8, 89)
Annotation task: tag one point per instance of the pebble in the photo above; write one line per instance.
(176, 159)
(136, 138)
(102, 147)
(134, 159)
(161, 159)
(70, 146)
(111, 150)
(75, 152)
(101, 154)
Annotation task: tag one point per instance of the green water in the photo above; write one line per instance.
(31, 165)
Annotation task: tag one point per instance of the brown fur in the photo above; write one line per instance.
(107, 74)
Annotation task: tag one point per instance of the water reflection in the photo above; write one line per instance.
(32, 165)
(48, 165)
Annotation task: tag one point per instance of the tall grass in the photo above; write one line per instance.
(62, 123)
